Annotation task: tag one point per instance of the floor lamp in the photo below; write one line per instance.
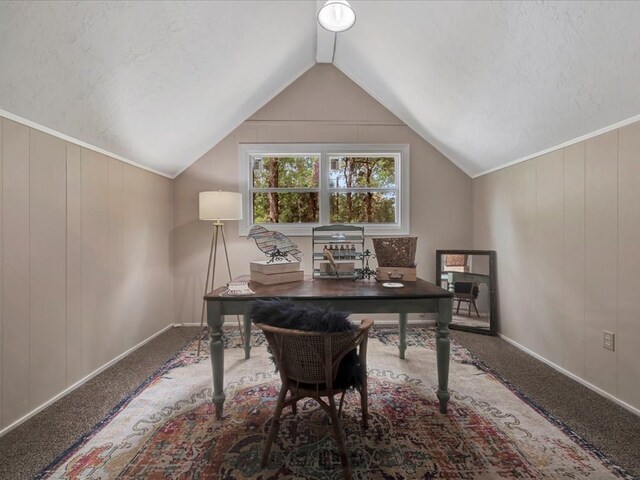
(216, 207)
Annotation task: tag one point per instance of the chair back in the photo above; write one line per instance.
(465, 289)
(314, 357)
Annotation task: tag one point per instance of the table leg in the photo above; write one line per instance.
(246, 324)
(215, 321)
(402, 346)
(445, 307)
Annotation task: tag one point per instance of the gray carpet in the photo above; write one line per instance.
(609, 427)
(30, 447)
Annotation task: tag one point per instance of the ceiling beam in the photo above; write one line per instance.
(325, 40)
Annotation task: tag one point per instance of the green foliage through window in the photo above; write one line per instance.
(371, 207)
(286, 207)
(286, 172)
(354, 172)
(360, 188)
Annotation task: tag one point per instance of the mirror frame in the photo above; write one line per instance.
(493, 318)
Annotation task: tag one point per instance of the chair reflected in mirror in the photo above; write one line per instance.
(466, 292)
(470, 275)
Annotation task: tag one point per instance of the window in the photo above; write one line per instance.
(285, 188)
(301, 186)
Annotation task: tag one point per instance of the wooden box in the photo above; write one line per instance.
(344, 268)
(396, 274)
(276, 278)
(263, 266)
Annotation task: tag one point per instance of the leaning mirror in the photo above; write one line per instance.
(470, 276)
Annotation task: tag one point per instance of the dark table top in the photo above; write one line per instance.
(332, 288)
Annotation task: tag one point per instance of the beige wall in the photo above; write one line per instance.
(86, 263)
(566, 227)
(322, 106)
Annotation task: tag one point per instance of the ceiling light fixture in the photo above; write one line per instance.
(336, 16)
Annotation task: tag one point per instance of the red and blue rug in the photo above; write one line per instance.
(167, 428)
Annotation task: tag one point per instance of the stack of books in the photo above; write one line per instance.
(275, 272)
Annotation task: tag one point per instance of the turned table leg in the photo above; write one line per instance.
(402, 344)
(215, 321)
(445, 307)
(246, 323)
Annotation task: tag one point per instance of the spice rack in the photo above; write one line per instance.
(345, 243)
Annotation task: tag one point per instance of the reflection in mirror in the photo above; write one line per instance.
(469, 275)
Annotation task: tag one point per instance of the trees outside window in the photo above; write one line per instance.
(286, 189)
(362, 189)
(325, 185)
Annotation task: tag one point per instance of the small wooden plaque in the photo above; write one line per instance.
(397, 274)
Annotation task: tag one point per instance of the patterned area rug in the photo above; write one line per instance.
(167, 429)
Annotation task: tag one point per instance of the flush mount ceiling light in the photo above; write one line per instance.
(336, 16)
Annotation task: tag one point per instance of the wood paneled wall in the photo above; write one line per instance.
(566, 226)
(85, 271)
(322, 106)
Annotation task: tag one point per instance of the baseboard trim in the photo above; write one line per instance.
(573, 376)
(83, 380)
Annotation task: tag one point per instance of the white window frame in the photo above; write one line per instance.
(325, 150)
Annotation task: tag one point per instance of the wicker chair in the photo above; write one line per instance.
(308, 364)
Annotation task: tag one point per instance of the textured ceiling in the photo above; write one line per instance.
(160, 83)
(488, 83)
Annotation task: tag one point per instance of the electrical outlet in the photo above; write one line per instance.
(608, 340)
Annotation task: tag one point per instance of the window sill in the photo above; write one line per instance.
(293, 230)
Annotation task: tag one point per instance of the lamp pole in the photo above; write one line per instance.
(218, 206)
(218, 230)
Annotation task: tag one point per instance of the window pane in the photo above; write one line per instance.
(286, 172)
(353, 172)
(371, 207)
(278, 207)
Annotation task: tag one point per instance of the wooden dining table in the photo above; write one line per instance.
(362, 296)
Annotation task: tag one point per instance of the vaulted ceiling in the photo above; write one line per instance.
(160, 83)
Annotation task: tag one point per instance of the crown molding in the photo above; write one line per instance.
(50, 131)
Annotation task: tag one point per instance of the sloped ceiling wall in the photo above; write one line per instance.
(488, 83)
(160, 83)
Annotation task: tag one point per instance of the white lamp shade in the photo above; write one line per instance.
(336, 16)
(220, 206)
